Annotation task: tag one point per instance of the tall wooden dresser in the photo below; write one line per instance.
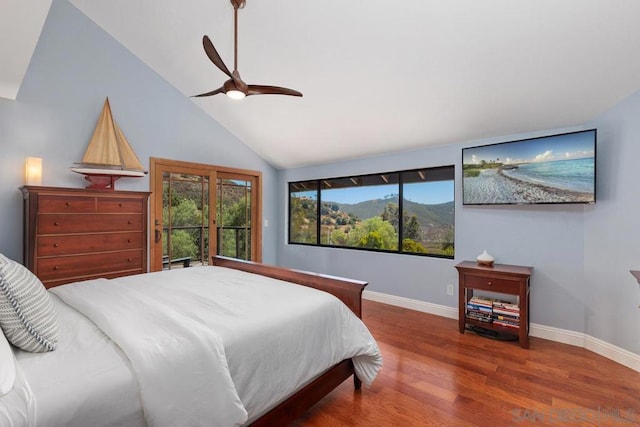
(73, 234)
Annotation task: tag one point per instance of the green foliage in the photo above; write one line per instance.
(409, 245)
(339, 237)
(449, 250)
(472, 170)
(372, 240)
(391, 214)
(234, 220)
(182, 245)
(303, 220)
(236, 214)
(447, 241)
(411, 229)
(373, 233)
(186, 213)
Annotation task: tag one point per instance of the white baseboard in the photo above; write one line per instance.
(412, 304)
(578, 339)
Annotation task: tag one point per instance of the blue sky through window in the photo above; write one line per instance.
(428, 193)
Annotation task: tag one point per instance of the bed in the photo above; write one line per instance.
(286, 347)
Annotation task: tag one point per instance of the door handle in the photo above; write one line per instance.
(158, 236)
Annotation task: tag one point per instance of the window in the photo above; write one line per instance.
(303, 212)
(404, 212)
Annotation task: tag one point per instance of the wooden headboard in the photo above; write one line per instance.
(347, 290)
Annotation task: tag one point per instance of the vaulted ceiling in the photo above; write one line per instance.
(378, 75)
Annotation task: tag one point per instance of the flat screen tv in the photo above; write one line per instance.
(550, 169)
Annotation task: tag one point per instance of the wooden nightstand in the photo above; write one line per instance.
(499, 278)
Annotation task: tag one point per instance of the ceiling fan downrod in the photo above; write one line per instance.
(235, 87)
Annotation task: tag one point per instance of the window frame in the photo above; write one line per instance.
(318, 183)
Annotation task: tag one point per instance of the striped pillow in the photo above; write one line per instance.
(27, 314)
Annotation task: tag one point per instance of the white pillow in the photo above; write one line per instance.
(27, 314)
(7, 366)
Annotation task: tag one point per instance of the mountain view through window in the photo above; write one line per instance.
(407, 212)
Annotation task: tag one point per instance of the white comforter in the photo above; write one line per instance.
(215, 346)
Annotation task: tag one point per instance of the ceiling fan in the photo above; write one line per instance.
(235, 87)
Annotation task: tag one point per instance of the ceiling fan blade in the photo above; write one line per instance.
(213, 55)
(271, 90)
(213, 92)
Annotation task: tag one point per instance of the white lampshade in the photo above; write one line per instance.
(33, 171)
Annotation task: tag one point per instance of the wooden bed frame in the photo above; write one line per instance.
(349, 292)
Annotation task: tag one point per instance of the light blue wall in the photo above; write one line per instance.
(612, 230)
(581, 254)
(549, 238)
(74, 67)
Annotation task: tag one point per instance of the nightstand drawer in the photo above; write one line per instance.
(92, 264)
(491, 284)
(64, 224)
(65, 244)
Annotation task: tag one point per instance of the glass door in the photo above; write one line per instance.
(199, 211)
(185, 220)
(233, 215)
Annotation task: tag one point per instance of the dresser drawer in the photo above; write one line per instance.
(54, 245)
(491, 284)
(116, 205)
(88, 223)
(85, 265)
(66, 204)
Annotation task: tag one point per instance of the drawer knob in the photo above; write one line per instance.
(68, 203)
(129, 222)
(55, 267)
(55, 245)
(489, 283)
(56, 223)
(129, 260)
(128, 240)
(119, 204)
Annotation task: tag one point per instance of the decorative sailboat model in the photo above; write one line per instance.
(109, 156)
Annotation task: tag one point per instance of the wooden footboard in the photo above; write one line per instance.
(346, 290)
(349, 292)
(297, 404)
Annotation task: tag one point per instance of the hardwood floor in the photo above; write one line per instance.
(435, 376)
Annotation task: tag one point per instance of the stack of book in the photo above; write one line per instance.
(506, 314)
(480, 309)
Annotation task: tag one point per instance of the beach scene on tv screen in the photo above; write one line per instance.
(553, 169)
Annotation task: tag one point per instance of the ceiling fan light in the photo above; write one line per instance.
(235, 94)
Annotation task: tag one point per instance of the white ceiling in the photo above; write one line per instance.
(20, 26)
(388, 75)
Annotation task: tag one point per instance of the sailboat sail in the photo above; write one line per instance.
(108, 145)
(109, 155)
